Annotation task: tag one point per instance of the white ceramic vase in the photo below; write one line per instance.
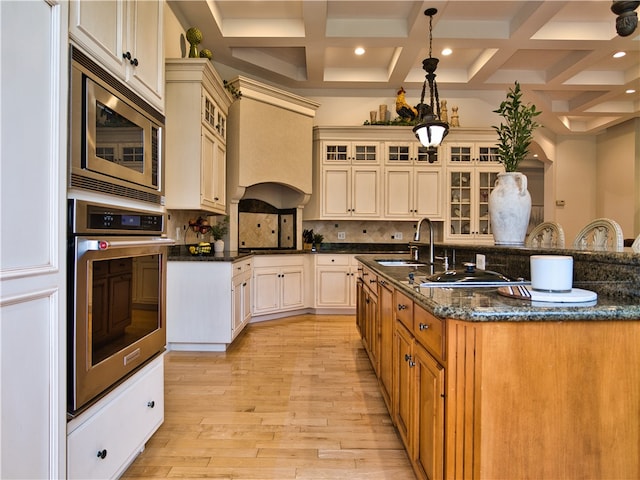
(218, 246)
(509, 209)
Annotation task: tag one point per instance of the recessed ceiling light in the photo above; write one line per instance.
(446, 51)
(619, 54)
(359, 51)
(631, 90)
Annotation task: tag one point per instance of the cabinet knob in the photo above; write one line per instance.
(407, 357)
(102, 453)
(424, 326)
(151, 404)
(402, 307)
(134, 62)
(126, 55)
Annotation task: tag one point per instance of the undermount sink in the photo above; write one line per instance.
(400, 263)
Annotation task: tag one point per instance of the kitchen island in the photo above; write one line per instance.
(484, 386)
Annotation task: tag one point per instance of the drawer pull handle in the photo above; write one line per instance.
(402, 307)
(372, 281)
(151, 404)
(424, 326)
(102, 453)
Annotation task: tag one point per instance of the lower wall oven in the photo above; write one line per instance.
(117, 289)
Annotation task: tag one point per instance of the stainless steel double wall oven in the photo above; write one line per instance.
(117, 244)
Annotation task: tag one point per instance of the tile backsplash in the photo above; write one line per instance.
(356, 231)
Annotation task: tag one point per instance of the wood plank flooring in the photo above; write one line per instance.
(290, 399)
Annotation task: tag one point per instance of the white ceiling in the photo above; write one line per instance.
(559, 51)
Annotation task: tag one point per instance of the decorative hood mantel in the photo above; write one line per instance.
(269, 147)
(271, 140)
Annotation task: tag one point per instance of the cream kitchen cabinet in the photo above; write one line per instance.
(197, 105)
(335, 286)
(408, 153)
(357, 152)
(127, 38)
(351, 192)
(350, 179)
(278, 284)
(468, 191)
(472, 153)
(413, 192)
(105, 439)
(33, 269)
(241, 295)
(207, 303)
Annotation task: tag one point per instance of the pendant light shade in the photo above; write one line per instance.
(431, 130)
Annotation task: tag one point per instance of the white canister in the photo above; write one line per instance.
(552, 273)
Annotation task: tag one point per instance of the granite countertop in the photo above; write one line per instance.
(487, 305)
(181, 253)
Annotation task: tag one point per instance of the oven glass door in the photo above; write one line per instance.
(118, 320)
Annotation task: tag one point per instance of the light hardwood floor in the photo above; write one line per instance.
(290, 399)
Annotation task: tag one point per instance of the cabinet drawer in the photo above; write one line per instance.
(118, 426)
(242, 266)
(404, 310)
(340, 260)
(370, 280)
(428, 330)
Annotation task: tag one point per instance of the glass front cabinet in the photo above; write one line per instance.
(472, 170)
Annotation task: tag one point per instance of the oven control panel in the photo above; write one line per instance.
(88, 218)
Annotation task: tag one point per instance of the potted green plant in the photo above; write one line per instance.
(510, 201)
(317, 240)
(516, 133)
(219, 230)
(307, 239)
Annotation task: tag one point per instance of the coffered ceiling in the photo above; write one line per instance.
(561, 52)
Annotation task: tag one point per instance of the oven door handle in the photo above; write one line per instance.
(100, 245)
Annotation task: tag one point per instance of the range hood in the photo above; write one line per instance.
(270, 154)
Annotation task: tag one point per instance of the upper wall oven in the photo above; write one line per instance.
(116, 137)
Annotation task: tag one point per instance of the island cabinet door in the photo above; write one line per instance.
(429, 400)
(385, 318)
(403, 367)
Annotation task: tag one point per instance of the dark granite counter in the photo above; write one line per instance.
(486, 305)
(181, 252)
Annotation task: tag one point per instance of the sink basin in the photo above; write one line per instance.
(400, 263)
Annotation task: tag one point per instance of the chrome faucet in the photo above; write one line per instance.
(416, 237)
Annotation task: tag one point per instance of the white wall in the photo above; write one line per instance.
(618, 192)
(574, 171)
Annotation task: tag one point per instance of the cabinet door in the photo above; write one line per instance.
(403, 383)
(385, 318)
(333, 287)
(33, 293)
(292, 289)
(145, 41)
(241, 302)
(461, 195)
(373, 330)
(428, 193)
(430, 411)
(366, 192)
(336, 192)
(266, 292)
(98, 27)
(212, 180)
(398, 192)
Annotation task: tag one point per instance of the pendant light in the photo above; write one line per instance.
(431, 130)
